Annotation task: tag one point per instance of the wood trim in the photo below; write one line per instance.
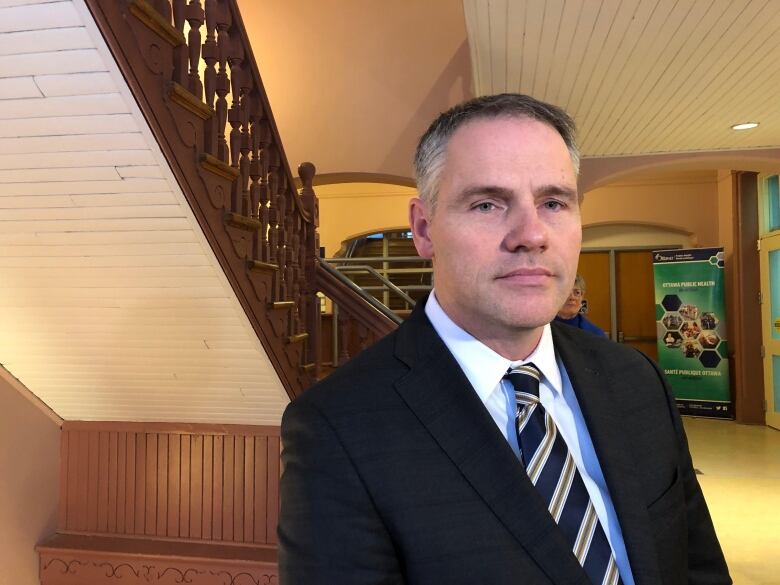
(258, 266)
(67, 559)
(148, 15)
(748, 377)
(243, 222)
(297, 338)
(157, 483)
(185, 99)
(216, 166)
(171, 428)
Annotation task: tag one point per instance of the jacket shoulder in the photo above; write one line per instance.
(590, 345)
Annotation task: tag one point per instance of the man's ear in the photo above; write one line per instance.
(420, 222)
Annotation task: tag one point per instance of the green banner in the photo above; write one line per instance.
(691, 320)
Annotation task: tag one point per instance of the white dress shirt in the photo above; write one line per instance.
(485, 369)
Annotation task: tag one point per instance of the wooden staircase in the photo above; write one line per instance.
(191, 70)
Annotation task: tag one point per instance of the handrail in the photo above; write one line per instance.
(359, 291)
(354, 259)
(385, 282)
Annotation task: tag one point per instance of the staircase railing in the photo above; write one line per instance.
(191, 69)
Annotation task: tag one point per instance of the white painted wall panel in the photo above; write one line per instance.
(55, 62)
(109, 158)
(75, 84)
(63, 106)
(37, 41)
(60, 125)
(38, 17)
(85, 142)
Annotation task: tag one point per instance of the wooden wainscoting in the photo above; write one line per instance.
(173, 497)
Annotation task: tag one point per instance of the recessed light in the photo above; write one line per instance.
(744, 126)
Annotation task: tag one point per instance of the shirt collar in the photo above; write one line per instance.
(483, 367)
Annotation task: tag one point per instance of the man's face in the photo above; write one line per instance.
(573, 304)
(505, 236)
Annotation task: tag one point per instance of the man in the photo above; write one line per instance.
(478, 443)
(571, 311)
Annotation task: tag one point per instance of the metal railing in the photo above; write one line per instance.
(379, 268)
(370, 299)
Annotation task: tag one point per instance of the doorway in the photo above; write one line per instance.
(620, 294)
(770, 315)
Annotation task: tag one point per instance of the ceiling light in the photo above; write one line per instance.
(744, 126)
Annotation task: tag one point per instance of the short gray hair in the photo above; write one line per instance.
(429, 158)
(579, 282)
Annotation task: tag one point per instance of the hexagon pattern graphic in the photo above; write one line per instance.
(695, 333)
(671, 302)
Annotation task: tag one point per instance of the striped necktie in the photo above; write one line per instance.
(552, 470)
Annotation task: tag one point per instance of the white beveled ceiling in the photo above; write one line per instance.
(639, 76)
(112, 304)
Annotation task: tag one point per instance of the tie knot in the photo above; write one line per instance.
(525, 380)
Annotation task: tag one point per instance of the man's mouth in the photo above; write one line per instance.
(528, 276)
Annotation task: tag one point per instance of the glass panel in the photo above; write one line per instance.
(773, 199)
(776, 381)
(774, 293)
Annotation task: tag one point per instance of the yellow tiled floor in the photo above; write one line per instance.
(740, 477)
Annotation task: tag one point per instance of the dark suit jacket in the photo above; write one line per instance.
(394, 472)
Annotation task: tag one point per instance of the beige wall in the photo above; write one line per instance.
(353, 85)
(680, 209)
(29, 471)
(688, 206)
(348, 209)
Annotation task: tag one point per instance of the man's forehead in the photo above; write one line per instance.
(508, 121)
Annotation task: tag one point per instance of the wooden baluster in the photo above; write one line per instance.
(164, 8)
(273, 211)
(295, 270)
(264, 137)
(223, 80)
(363, 336)
(180, 52)
(289, 273)
(246, 147)
(195, 17)
(345, 336)
(309, 252)
(244, 162)
(210, 57)
(234, 119)
(281, 254)
(235, 56)
(255, 118)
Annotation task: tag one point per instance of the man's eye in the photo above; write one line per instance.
(485, 206)
(555, 205)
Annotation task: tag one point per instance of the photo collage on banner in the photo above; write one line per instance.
(691, 322)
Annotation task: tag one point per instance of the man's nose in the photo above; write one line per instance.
(526, 230)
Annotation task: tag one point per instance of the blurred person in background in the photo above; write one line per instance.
(571, 311)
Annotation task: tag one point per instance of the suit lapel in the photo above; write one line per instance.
(597, 393)
(439, 394)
